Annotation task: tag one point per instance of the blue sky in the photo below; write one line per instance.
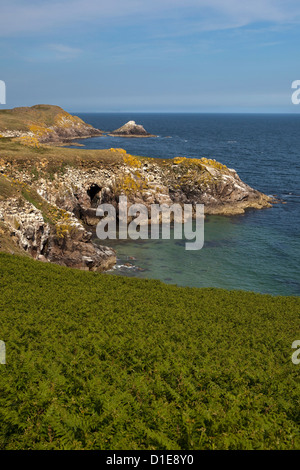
(160, 56)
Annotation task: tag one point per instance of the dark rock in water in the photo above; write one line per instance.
(131, 129)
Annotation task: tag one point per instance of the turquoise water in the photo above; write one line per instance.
(235, 256)
(258, 251)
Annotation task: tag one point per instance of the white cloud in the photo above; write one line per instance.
(19, 17)
(63, 52)
(51, 52)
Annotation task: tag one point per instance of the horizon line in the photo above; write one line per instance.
(189, 112)
(256, 112)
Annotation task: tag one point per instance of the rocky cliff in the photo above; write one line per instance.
(49, 196)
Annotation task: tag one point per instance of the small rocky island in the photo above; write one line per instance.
(131, 129)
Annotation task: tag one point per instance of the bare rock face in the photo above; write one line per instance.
(66, 127)
(70, 132)
(54, 227)
(26, 225)
(131, 129)
(78, 251)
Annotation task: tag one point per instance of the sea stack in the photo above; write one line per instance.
(131, 129)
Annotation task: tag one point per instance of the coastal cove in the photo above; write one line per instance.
(150, 229)
(244, 170)
(239, 253)
(257, 251)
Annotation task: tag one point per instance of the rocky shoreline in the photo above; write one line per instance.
(49, 124)
(49, 194)
(50, 214)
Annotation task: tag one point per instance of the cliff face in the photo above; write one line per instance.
(47, 233)
(48, 200)
(43, 123)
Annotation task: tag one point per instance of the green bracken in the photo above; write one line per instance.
(96, 361)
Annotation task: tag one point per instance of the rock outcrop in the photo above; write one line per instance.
(49, 234)
(43, 124)
(131, 129)
(48, 208)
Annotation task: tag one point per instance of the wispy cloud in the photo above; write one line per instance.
(63, 52)
(270, 44)
(51, 52)
(124, 53)
(30, 17)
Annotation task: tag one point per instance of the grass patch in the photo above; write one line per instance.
(20, 156)
(104, 362)
(35, 118)
(7, 189)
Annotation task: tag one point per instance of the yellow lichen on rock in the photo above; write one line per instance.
(65, 120)
(63, 230)
(213, 163)
(200, 162)
(39, 131)
(132, 161)
(178, 160)
(188, 162)
(130, 184)
(118, 150)
(29, 141)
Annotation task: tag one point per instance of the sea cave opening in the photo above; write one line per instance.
(93, 193)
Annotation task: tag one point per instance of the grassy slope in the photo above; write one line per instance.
(18, 155)
(102, 362)
(24, 117)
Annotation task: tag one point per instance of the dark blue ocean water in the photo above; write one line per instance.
(258, 251)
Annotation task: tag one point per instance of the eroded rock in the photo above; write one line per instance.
(75, 194)
(70, 245)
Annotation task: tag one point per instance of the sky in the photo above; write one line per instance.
(151, 56)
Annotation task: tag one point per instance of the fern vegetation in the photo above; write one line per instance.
(95, 361)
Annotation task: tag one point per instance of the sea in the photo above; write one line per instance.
(258, 251)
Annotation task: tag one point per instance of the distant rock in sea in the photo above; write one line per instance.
(131, 129)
